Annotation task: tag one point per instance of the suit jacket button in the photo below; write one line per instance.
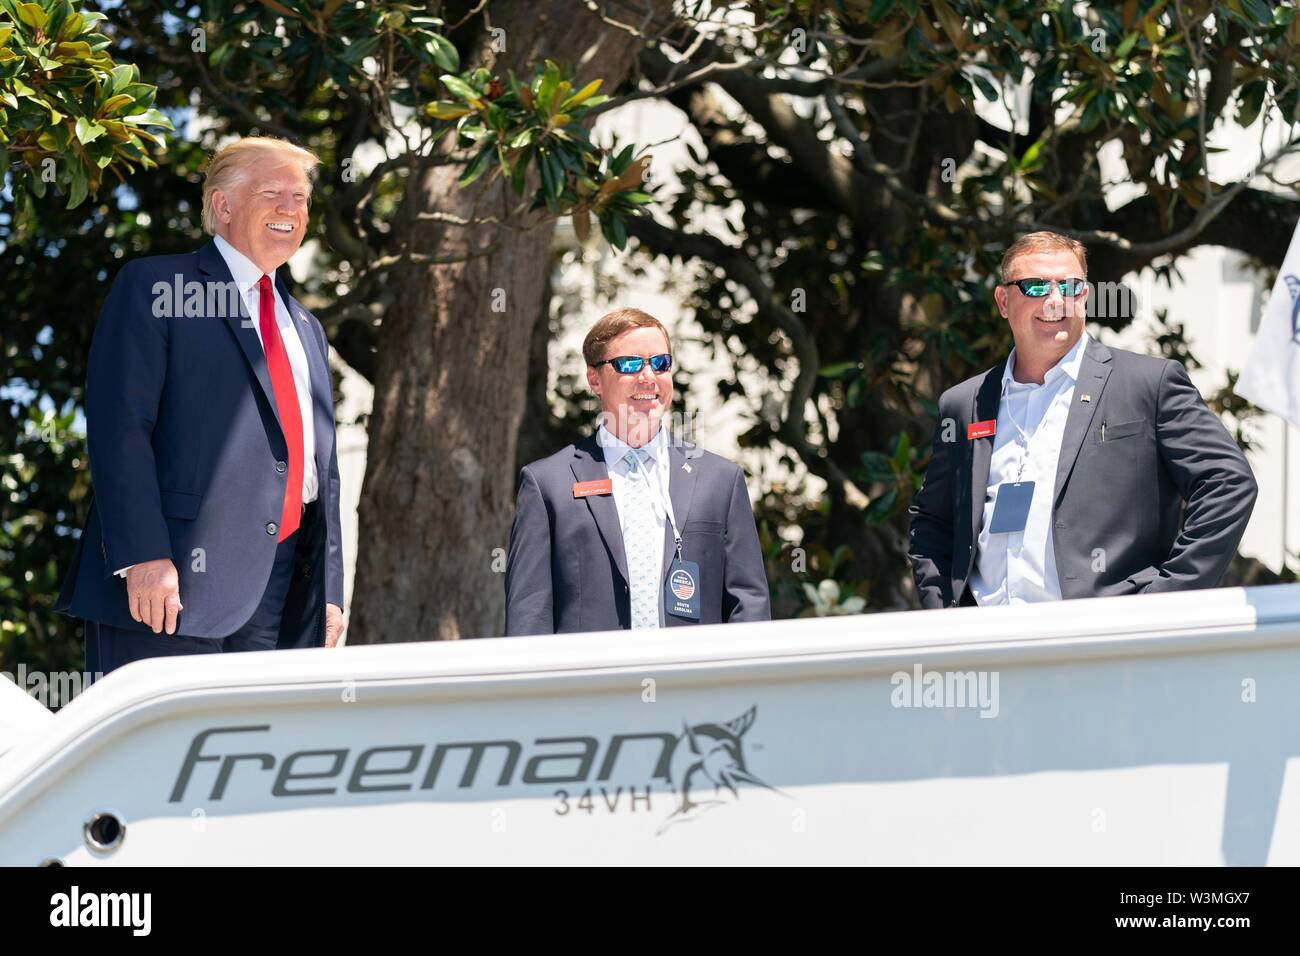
(271, 527)
(281, 467)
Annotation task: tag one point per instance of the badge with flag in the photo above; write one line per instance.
(683, 585)
(1271, 378)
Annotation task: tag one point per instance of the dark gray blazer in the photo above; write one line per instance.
(567, 569)
(1117, 503)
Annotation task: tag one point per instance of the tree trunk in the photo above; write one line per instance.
(451, 371)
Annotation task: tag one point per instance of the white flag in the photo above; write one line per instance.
(1271, 378)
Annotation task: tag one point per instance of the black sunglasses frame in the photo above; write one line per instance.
(640, 360)
(1060, 285)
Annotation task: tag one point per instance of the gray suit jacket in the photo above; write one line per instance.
(567, 569)
(1117, 502)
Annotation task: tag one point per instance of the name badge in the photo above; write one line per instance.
(981, 429)
(682, 590)
(1011, 510)
(602, 486)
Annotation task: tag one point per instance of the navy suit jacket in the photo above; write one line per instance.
(187, 455)
(567, 569)
(1151, 492)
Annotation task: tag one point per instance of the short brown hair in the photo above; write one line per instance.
(1045, 242)
(232, 163)
(613, 324)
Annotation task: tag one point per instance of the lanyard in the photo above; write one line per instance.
(1022, 438)
(663, 498)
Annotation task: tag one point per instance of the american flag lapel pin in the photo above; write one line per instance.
(1085, 397)
(686, 467)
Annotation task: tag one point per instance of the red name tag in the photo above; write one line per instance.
(582, 489)
(982, 429)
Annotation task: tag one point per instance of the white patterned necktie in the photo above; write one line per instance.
(639, 541)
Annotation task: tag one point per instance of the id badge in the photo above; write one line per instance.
(1011, 510)
(682, 590)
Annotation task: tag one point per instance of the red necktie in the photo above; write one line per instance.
(286, 402)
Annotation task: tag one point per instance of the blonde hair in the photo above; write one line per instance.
(232, 163)
(613, 324)
(1044, 242)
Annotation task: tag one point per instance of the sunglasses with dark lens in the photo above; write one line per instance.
(1037, 288)
(632, 364)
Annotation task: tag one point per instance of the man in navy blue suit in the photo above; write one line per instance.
(210, 424)
(632, 527)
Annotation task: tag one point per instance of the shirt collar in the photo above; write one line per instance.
(615, 449)
(1069, 364)
(242, 269)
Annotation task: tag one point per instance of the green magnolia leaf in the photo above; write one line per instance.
(615, 230)
(584, 94)
(151, 117)
(77, 195)
(986, 88)
(519, 174)
(116, 102)
(444, 53)
(123, 75)
(546, 88)
(88, 131)
(1030, 160)
(459, 87)
(445, 110)
(477, 166)
(881, 508)
(32, 14)
(877, 466)
(1249, 100)
(72, 27)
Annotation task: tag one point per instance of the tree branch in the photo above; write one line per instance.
(739, 268)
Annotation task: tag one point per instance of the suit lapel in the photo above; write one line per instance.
(589, 465)
(682, 473)
(242, 325)
(983, 409)
(1094, 370)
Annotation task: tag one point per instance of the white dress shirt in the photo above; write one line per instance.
(247, 276)
(615, 451)
(1020, 567)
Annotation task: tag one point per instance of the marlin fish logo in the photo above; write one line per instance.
(1293, 286)
(710, 754)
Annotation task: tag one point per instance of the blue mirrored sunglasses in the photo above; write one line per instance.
(1037, 288)
(632, 364)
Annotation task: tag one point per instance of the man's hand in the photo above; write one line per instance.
(153, 593)
(333, 624)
